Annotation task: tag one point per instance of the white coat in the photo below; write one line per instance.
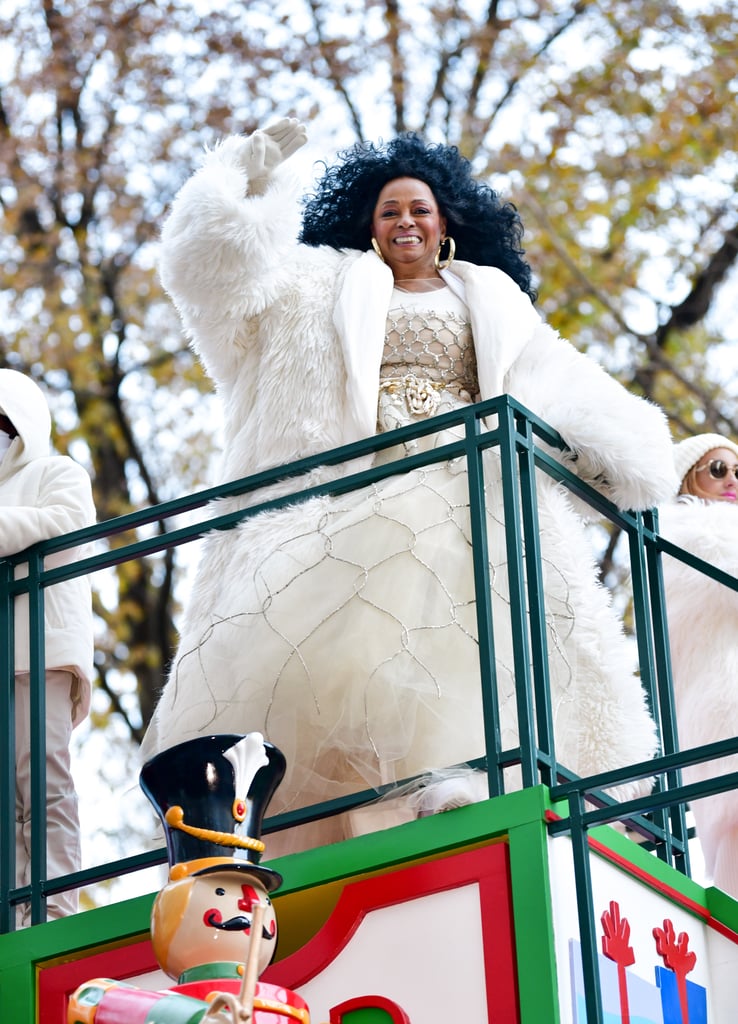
(703, 625)
(44, 495)
(293, 335)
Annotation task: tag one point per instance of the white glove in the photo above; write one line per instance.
(269, 147)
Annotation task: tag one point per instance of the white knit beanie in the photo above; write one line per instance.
(688, 453)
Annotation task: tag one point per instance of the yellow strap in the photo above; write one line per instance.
(175, 819)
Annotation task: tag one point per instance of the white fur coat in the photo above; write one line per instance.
(292, 337)
(703, 630)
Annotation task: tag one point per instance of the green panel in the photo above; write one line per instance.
(81, 931)
(17, 993)
(22, 951)
(534, 935)
(722, 907)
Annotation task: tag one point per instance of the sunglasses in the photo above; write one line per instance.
(719, 469)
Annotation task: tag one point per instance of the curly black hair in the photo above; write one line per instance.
(487, 231)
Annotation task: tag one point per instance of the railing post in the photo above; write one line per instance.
(642, 598)
(483, 598)
(536, 600)
(518, 610)
(585, 910)
(7, 748)
(37, 699)
(665, 692)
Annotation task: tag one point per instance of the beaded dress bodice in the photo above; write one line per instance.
(436, 345)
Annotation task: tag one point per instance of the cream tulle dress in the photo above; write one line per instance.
(353, 645)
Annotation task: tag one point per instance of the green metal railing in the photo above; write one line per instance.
(524, 444)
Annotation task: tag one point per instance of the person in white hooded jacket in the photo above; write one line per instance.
(45, 495)
(702, 616)
(344, 628)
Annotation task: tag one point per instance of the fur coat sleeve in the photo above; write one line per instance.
(225, 255)
(619, 443)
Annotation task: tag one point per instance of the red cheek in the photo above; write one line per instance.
(212, 917)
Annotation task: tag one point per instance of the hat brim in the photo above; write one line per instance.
(270, 879)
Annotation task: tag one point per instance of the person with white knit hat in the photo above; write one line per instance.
(703, 464)
(703, 621)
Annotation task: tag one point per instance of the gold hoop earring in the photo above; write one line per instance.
(445, 264)
(375, 247)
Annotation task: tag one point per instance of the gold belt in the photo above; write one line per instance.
(421, 394)
(395, 384)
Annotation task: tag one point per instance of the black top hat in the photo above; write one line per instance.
(211, 794)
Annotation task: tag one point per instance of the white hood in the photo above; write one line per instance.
(24, 403)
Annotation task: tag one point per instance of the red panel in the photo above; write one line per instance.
(498, 938)
(488, 866)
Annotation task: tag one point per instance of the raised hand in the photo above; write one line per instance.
(268, 147)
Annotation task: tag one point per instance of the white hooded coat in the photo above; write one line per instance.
(45, 495)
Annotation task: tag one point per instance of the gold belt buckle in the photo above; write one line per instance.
(422, 394)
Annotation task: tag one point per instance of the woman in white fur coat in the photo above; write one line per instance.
(703, 624)
(344, 629)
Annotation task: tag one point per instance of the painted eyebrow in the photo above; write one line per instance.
(390, 202)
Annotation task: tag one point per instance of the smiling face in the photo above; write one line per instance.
(702, 481)
(207, 918)
(408, 227)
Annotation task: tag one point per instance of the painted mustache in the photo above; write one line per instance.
(233, 924)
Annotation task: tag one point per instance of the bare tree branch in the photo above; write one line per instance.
(697, 304)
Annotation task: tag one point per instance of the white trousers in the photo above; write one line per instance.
(62, 815)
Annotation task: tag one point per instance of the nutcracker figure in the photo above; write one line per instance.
(213, 926)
